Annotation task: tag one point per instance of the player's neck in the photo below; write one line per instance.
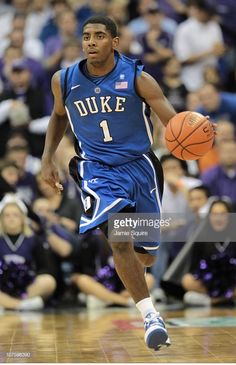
(100, 68)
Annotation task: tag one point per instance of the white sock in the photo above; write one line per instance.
(145, 306)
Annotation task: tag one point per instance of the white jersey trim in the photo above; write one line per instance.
(149, 133)
(155, 180)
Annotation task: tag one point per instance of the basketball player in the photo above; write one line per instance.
(107, 99)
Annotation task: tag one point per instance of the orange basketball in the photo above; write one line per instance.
(189, 135)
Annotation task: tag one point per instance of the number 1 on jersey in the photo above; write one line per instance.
(106, 132)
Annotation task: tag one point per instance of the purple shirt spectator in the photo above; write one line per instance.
(220, 183)
(226, 10)
(53, 45)
(155, 69)
(168, 9)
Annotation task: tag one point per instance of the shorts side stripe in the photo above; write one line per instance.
(102, 212)
(155, 180)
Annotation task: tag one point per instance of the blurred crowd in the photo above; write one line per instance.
(188, 46)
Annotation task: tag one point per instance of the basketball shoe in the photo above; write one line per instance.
(156, 334)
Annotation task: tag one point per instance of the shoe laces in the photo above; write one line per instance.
(153, 319)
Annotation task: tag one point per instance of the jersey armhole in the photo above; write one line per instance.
(139, 68)
(64, 82)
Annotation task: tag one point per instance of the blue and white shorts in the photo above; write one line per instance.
(138, 184)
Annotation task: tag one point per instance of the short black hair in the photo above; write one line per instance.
(168, 156)
(108, 22)
(202, 188)
(225, 201)
(202, 5)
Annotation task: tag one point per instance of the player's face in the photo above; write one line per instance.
(98, 44)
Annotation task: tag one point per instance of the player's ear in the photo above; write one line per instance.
(115, 42)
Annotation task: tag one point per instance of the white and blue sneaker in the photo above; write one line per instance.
(156, 334)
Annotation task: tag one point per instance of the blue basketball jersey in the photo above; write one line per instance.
(110, 121)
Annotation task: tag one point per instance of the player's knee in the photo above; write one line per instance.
(146, 259)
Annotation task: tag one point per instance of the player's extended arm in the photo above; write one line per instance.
(151, 92)
(56, 130)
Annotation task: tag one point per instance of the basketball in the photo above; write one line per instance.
(189, 135)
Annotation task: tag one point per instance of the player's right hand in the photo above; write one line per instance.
(50, 175)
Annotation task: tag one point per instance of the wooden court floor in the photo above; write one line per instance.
(113, 335)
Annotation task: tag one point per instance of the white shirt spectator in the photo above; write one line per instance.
(35, 22)
(176, 202)
(192, 38)
(32, 48)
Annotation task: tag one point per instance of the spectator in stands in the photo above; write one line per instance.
(9, 176)
(57, 237)
(174, 205)
(50, 29)
(212, 275)
(24, 276)
(172, 85)
(192, 101)
(138, 24)
(14, 54)
(18, 139)
(37, 18)
(198, 200)
(11, 54)
(217, 104)
(141, 24)
(156, 43)
(211, 75)
(62, 243)
(22, 107)
(67, 29)
(221, 179)
(225, 132)
(67, 211)
(176, 185)
(174, 9)
(6, 19)
(226, 14)
(32, 47)
(198, 42)
(128, 45)
(26, 185)
(117, 10)
(71, 53)
(87, 9)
